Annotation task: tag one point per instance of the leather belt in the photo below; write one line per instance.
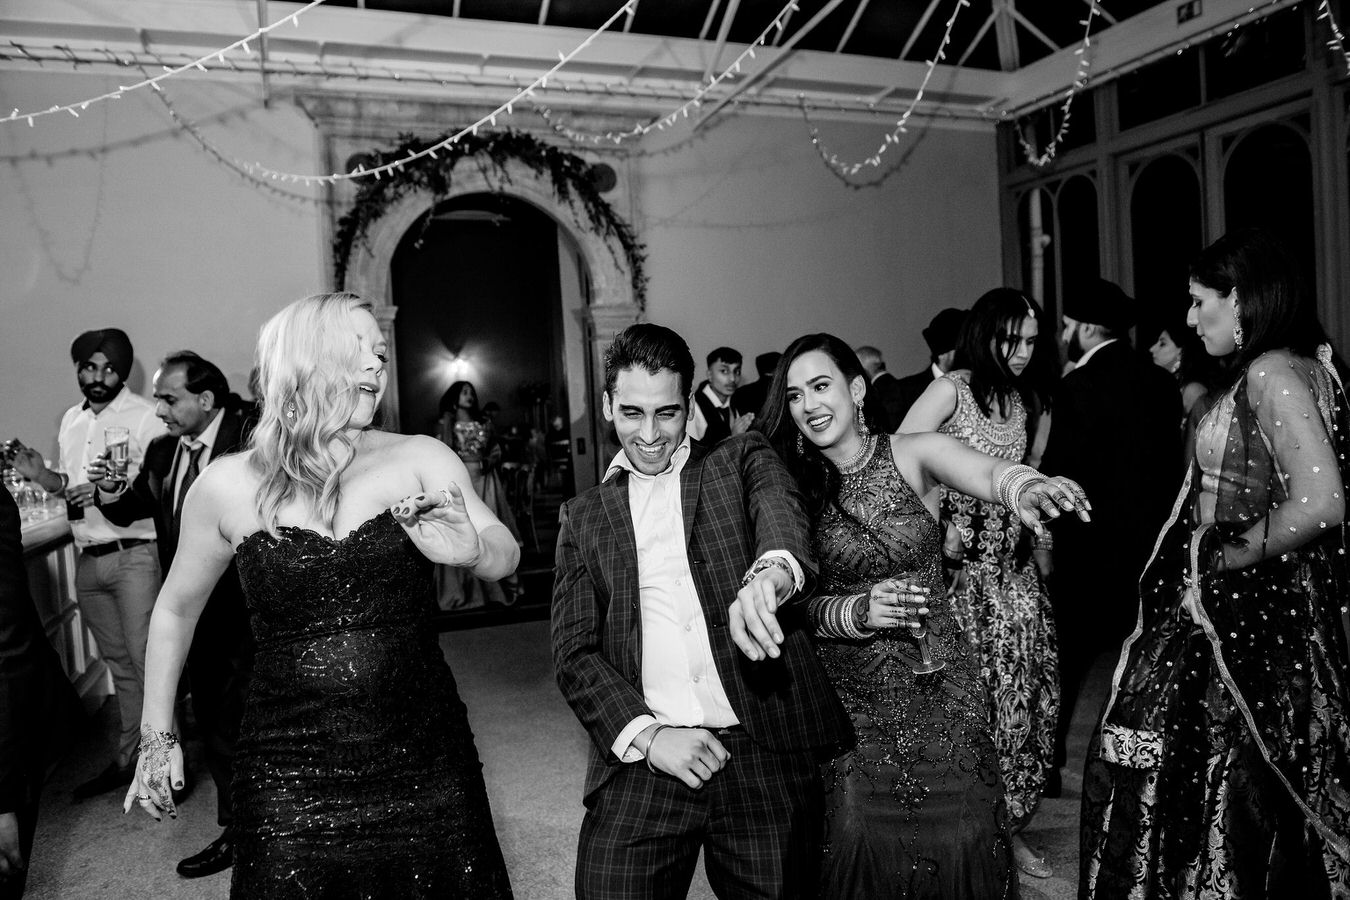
(114, 546)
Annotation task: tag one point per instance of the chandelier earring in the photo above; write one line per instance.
(1238, 335)
(862, 422)
(290, 410)
(801, 445)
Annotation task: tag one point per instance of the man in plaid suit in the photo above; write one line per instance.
(693, 744)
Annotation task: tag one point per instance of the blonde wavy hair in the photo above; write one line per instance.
(308, 361)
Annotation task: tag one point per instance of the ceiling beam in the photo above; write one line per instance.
(543, 11)
(979, 36)
(1101, 11)
(627, 20)
(722, 31)
(782, 30)
(1029, 26)
(914, 35)
(764, 72)
(1122, 48)
(852, 24)
(708, 19)
(1005, 35)
(262, 54)
(454, 10)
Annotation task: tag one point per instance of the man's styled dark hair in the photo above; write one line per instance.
(726, 355)
(200, 375)
(651, 348)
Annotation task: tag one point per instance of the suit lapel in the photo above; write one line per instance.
(614, 498)
(691, 484)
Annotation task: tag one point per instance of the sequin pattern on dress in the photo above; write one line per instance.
(916, 808)
(356, 774)
(1004, 608)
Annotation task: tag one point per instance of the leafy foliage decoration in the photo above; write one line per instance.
(570, 176)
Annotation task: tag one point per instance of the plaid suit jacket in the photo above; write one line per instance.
(738, 501)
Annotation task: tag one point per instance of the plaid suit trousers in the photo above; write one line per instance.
(758, 822)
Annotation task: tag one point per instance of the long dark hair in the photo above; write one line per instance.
(450, 400)
(1274, 309)
(996, 316)
(815, 474)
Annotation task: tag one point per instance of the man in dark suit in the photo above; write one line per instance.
(693, 744)
(884, 388)
(37, 703)
(193, 399)
(940, 336)
(749, 398)
(1116, 432)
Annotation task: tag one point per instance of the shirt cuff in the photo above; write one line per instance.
(798, 576)
(623, 745)
(112, 496)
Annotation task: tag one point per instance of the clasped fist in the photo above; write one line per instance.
(692, 755)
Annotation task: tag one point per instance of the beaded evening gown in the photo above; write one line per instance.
(1222, 758)
(916, 808)
(1004, 609)
(458, 588)
(356, 774)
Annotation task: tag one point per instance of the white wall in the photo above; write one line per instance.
(753, 242)
(120, 219)
(149, 235)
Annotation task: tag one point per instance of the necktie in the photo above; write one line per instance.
(194, 450)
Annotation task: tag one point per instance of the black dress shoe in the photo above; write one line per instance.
(110, 779)
(217, 857)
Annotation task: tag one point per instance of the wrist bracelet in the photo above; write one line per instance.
(768, 562)
(647, 754)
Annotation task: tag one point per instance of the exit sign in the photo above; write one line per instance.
(1187, 11)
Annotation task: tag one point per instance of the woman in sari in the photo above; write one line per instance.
(1221, 767)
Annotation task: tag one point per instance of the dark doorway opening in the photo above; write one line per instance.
(477, 286)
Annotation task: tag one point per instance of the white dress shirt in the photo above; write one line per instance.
(185, 444)
(81, 440)
(698, 425)
(1082, 360)
(680, 683)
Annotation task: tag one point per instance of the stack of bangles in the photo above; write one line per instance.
(842, 617)
(1011, 482)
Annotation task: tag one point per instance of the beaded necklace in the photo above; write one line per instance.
(858, 461)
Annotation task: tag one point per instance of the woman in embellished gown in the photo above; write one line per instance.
(916, 808)
(993, 402)
(464, 429)
(356, 774)
(1221, 766)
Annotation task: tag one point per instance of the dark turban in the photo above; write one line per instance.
(111, 342)
(940, 335)
(1101, 303)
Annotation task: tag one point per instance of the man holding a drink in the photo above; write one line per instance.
(118, 574)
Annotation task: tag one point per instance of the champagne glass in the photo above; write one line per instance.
(116, 440)
(927, 662)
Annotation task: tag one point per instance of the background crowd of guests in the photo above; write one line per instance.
(923, 571)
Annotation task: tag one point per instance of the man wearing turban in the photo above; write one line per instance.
(118, 574)
(1114, 432)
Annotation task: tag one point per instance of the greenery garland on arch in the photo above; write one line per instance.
(569, 174)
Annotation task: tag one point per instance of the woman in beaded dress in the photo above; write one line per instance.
(916, 808)
(1221, 765)
(464, 429)
(991, 402)
(355, 775)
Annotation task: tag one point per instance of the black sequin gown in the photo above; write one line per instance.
(916, 809)
(356, 774)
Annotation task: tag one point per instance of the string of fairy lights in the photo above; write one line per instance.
(199, 64)
(266, 177)
(660, 123)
